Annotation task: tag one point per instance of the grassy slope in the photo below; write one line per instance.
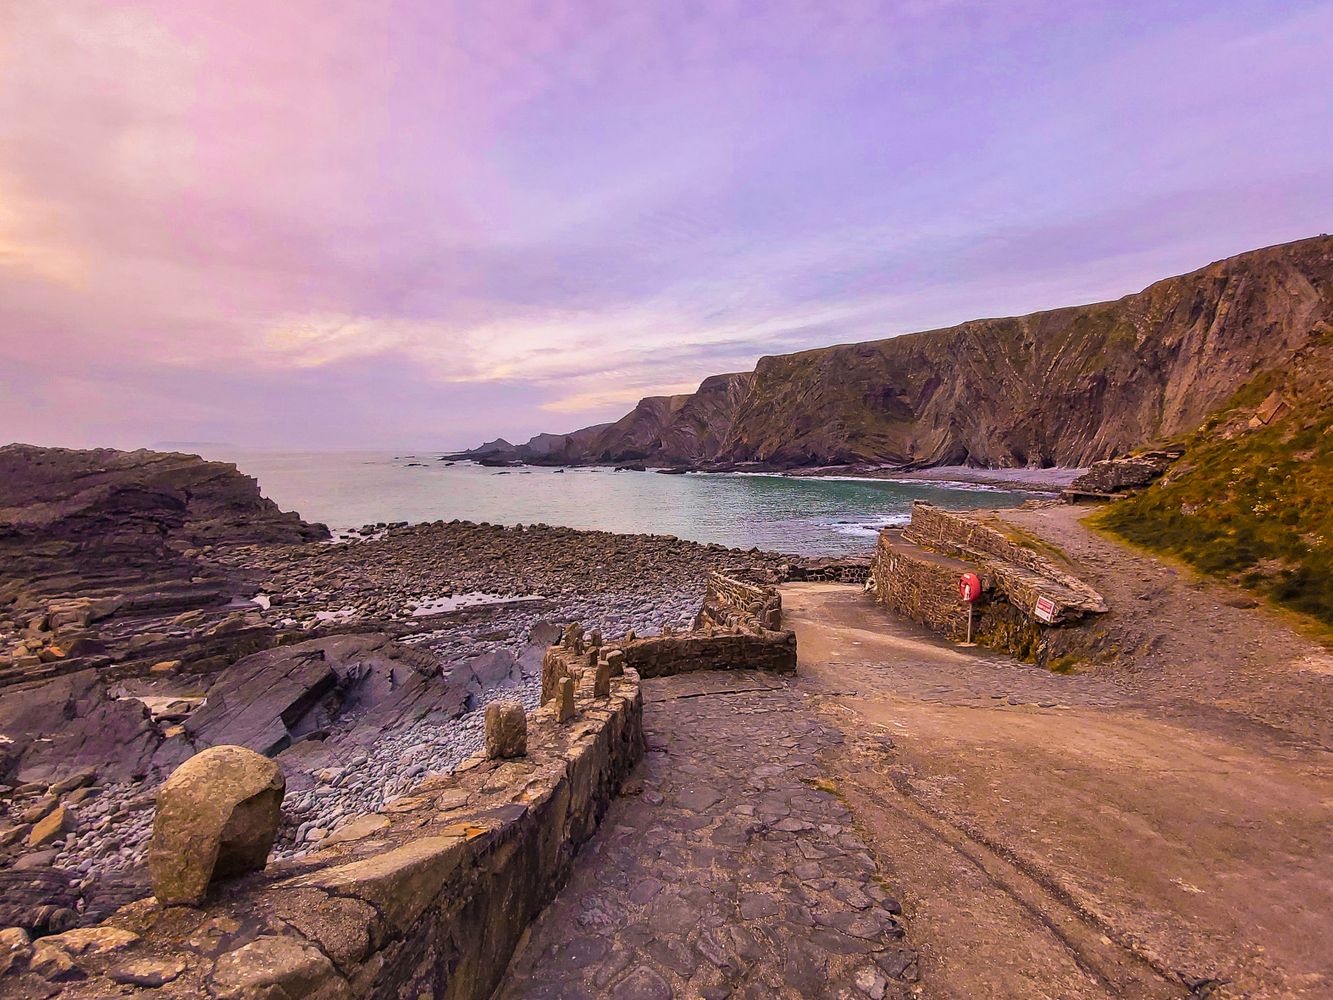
(1253, 505)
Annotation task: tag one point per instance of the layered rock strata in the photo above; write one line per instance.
(1064, 387)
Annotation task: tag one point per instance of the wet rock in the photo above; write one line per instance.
(70, 725)
(217, 815)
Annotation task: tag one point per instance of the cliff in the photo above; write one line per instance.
(1252, 499)
(105, 511)
(1064, 387)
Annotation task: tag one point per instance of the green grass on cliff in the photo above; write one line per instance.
(1253, 506)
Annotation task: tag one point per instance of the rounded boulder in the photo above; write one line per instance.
(217, 816)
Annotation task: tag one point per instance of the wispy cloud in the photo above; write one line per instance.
(296, 224)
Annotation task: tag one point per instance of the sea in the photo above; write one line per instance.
(798, 515)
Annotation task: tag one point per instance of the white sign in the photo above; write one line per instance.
(1045, 609)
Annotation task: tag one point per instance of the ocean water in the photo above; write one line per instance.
(784, 514)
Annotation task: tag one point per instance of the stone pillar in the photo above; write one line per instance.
(601, 682)
(550, 666)
(595, 640)
(616, 660)
(574, 637)
(564, 700)
(506, 730)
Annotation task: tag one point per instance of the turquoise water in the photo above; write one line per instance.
(806, 516)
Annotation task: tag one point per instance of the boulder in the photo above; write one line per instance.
(39, 900)
(83, 941)
(273, 700)
(277, 968)
(506, 730)
(55, 824)
(217, 816)
(69, 725)
(14, 948)
(1118, 475)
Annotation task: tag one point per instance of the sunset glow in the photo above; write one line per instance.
(339, 225)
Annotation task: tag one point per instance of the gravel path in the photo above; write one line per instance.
(1073, 836)
(1176, 639)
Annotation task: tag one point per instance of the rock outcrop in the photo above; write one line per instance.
(217, 816)
(1065, 387)
(137, 507)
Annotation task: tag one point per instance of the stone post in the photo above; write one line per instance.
(564, 700)
(506, 730)
(601, 682)
(616, 660)
(574, 637)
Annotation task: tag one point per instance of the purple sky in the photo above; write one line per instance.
(421, 224)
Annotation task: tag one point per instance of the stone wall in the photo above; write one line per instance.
(428, 898)
(738, 628)
(1014, 569)
(729, 602)
(915, 572)
(852, 569)
(923, 586)
(916, 584)
(665, 656)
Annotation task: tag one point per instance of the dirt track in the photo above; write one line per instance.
(1181, 641)
(1089, 836)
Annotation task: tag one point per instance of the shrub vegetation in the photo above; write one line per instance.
(1252, 502)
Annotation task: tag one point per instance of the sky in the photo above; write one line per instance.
(318, 224)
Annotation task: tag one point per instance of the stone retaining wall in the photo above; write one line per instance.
(915, 572)
(924, 587)
(738, 628)
(853, 569)
(665, 656)
(912, 583)
(428, 898)
(729, 602)
(1014, 570)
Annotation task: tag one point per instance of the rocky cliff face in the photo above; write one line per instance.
(102, 510)
(1064, 387)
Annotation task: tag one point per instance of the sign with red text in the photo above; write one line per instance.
(1045, 610)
